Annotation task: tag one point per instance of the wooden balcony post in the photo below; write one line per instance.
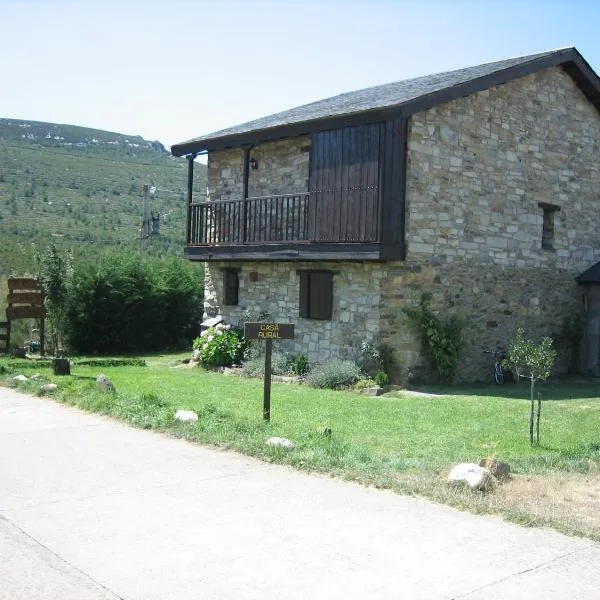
(190, 190)
(245, 193)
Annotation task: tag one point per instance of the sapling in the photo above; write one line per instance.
(534, 361)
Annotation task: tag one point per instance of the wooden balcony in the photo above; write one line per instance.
(336, 225)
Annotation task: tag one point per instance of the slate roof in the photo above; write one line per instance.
(403, 97)
(592, 275)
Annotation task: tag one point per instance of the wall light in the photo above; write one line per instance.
(253, 164)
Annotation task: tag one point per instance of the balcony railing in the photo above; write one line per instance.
(259, 220)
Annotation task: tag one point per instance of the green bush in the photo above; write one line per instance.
(281, 364)
(119, 303)
(374, 356)
(301, 366)
(442, 339)
(219, 346)
(381, 378)
(334, 374)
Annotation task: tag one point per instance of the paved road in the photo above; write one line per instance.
(92, 509)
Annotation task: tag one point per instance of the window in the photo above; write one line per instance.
(231, 286)
(316, 294)
(548, 225)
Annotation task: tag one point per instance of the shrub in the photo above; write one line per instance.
(374, 356)
(442, 339)
(119, 303)
(281, 364)
(334, 374)
(219, 346)
(300, 366)
(381, 378)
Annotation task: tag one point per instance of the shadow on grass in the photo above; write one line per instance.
(550, 390)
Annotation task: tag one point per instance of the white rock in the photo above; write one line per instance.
(281, 442)
(186, 415)
(20, 378)
(476, 477)
(104, 383)
(49, 387)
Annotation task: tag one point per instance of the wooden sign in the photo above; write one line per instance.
(268, 332)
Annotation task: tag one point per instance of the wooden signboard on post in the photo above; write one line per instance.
(268, 332)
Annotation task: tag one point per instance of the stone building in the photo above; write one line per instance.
(479, 186)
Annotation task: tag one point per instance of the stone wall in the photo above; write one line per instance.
(273, 287)
(477, 169)
(479, 166)
(282, 169)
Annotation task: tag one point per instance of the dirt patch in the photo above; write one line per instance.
(568, 502)
(565, 497)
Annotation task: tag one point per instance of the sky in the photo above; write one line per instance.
(171, 70)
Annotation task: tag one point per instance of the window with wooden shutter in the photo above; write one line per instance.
(316, 294)
(231, 285)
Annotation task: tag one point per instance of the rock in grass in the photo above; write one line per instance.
(281, 443)
(373, 391)
(104, 384)
(20, 378)
(476, 477)
(500, 470)
(49, 388)
(186, 416)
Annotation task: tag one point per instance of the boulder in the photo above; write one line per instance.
(373, 391)
(49, 388)
(476, 477)
(281, 443)
(104, 384)
(500, 470)
(20, 378)
(186, 415)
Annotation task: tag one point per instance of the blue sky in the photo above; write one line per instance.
(175, 69)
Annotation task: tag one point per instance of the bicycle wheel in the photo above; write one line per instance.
(498, 374)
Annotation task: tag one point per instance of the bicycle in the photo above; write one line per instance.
(499, 356)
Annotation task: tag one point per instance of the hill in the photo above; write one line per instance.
(83, 189)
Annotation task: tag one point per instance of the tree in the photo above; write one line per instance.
(533, 361)
(55, 273)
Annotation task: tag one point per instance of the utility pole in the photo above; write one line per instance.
(145, 230)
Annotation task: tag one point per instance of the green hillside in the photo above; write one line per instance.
(83, 189)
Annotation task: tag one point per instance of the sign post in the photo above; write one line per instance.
(268, 332)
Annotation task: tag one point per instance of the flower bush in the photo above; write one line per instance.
(219, 346)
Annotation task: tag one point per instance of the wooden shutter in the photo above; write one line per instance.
(321, 295)
(304, 294)
(316, 294)
(344, 184)
(230, 287)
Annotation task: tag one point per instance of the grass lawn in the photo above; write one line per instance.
(402, 441)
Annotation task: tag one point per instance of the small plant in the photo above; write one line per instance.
(374, 356)
(300, 366)
(219, 346)
(442, 339)
(281, 364)
(334, 374)
(533, 361)
(381, 378)
(55, 276)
